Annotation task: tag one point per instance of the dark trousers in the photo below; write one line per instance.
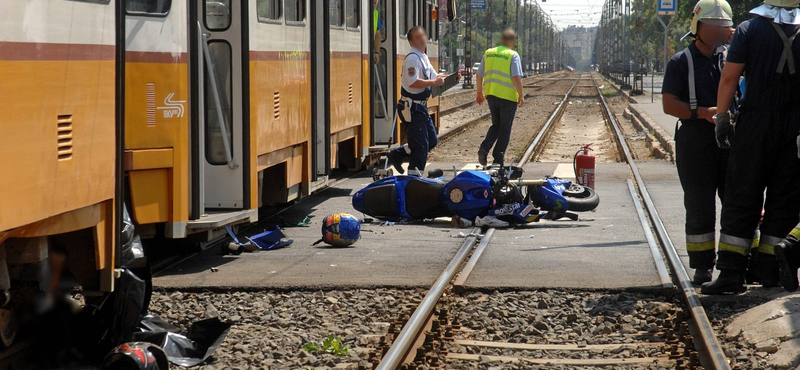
(422, 138)
(499, 133)
(763, 156)
(701, 168)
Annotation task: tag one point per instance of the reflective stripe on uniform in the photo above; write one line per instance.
(700, 243)
(500, 82)
(735, 244)
(795, 232)
(497, 80)
(767, 244)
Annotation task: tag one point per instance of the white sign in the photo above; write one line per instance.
(460, 52)
(667, 7)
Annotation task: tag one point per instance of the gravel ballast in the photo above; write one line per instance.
(270, 328)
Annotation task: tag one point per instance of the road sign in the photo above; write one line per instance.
(477, 4)
(460, 52)
(667, 7)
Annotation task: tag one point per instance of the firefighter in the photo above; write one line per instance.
(764, 150)
(690, 93)
(500, 79)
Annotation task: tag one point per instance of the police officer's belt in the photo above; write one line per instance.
(420, 102)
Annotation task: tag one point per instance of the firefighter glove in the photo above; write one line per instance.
(724, 129)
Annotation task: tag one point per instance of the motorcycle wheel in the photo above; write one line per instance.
(577, 191)
(587, 200)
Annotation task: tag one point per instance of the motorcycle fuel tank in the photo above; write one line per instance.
(468, 194)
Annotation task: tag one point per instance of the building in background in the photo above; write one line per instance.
(579, 41)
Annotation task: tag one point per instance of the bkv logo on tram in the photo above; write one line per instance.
(173, 108)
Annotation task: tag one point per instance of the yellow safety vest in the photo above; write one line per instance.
(375, 22)
(497, 74)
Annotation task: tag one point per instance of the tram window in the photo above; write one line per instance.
(295, 12)
(382, 16)
(407, 18)
(269, 11)
(218, 14)
(335, 8)
(148, 7)
(218, 104)
(436, 24)
(353, 14)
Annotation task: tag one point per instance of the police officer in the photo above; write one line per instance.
(690, 93)
(764, 150)
(499, 78)
(418, 78)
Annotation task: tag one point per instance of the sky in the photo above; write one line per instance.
(573, 12)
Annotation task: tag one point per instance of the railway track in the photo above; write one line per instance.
(681, 338)
(531, 87)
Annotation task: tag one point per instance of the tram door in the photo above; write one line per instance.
(320, 88)
(220, 126)
(384, 89)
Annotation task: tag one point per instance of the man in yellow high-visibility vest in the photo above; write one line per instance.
(499, 78)
(377, 28)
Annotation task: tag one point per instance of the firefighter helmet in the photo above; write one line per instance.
(341, 230)
(716, 12)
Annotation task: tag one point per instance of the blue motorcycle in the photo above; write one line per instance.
(497, 191)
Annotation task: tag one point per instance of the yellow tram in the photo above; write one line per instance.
(224, 106)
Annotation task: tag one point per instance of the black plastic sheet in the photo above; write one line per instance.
(193, 348)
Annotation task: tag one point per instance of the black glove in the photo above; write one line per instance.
(724, 129)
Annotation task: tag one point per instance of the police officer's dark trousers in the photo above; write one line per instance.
(422, 138)
(701, 168)
(499, 134)
(763, 156)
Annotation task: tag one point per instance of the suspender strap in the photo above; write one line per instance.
(787, 57)
(692, 90)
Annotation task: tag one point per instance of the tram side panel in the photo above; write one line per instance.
(280, 97)
(157, 115)
(57, 137)
(346, 74)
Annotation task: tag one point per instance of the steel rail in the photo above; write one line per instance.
(408, 336)
(543, 131)
(712, 354)
(663, 274)
(445, 112)
(402, 344)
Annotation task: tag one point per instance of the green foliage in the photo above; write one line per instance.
(331, 345)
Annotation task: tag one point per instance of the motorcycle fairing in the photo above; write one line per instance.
(549, 196)
(468, 194)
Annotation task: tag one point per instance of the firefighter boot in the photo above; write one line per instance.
(701, 276)
(731, 266)
(787, 255)
(767, 270)
(751, 276)
(728, 281)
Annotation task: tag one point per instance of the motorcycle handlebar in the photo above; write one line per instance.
(524, 182)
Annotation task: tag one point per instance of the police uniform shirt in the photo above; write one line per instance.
(707, 72)
(417, 66)
(758, 46)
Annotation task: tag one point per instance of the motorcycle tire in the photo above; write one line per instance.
(577, 191)
(588, 202)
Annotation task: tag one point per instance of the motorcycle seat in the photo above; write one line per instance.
(381, 201)
(422, 199)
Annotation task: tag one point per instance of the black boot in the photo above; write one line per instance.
(767, 270)
(751, 276)
(787, 256)
(702, 275)
(728, 281)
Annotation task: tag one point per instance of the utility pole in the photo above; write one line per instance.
(516, 15)
(490, 34)
(468, 48)
(505, 14)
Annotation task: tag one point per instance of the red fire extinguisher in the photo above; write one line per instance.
(583, 164)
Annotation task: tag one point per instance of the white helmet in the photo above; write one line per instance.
(783, 3)
(716, 12)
